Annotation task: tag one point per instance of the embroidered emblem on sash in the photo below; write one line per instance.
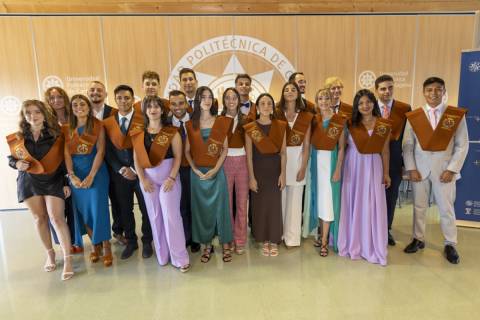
(212, 149)
(82, 148)
(256, 135)
(333, 132)
(381, 130)
(295, 139)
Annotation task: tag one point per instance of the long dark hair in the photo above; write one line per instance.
(66, 101)
(239, 104)
(50, 123)
(148, 101)
(265, 94)
(356, 115)
(73, 121)
(299, 105)
(197, 110)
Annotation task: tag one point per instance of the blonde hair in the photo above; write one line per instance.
(323, 92)
(332, 81)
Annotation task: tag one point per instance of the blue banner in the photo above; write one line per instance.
(467, 204)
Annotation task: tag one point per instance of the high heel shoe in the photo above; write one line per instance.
(49, 267)
(96, 253)
(67, 275)
(107, 258)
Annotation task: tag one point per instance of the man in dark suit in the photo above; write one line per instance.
(388, 106)
(119, 155)
(189, 84)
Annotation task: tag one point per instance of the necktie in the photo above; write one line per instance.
(182, 131)
(190, 102)
(123, 125)
(386, 113)
(433, 117)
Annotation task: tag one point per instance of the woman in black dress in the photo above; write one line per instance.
(37, 153)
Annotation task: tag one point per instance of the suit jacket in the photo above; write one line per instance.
(396, 157)
(107, 111)
(116, 158)
(428, 162)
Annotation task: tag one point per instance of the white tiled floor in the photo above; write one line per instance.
(298, 284)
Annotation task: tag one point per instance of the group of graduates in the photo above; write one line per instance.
(288, 169)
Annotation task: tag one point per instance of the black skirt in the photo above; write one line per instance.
(29, 185)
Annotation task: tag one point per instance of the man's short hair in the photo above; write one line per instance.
(243, 76)
(382, 78)
(187, 70)
(294, 75)
(123, 87)
(150, 75)
(332, 81)
(176, 93)
(97, 82)
(431, 80)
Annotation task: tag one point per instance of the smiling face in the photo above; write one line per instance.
(178, 106)
(324, 103)
(433, 94)
(365, 106)
(124, 100)
(265, 106)
(96, 93)
(243, 86)
(290, 93)
(154, 111)
(301, 82)
(385, 91)
(150, 87)
(336, 91)
(231, 102)
(56, 100)
(33, 115)
(80, 108)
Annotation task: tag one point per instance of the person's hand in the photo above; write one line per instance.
(415, 176)
(209, 174)
(198, 173)
(253, 185)
(22, 165)
(281, 181)
(168, 184)
(147, 185)
(337, 175)
(128, 173)
(75, 181)
(387, 181)
(447, 176)
(87, 182)
(66, 191)
(301, 174)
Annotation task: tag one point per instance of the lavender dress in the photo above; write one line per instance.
(363, 218)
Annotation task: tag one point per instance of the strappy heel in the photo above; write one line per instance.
(67, 275)
(107, 258)
(50, 267)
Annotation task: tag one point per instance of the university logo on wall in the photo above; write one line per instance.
(235, 54)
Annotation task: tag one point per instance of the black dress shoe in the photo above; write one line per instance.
(147, 251)
(391, 241)
(129, 250)
(451, 254)
(414, 246)
(194, 247)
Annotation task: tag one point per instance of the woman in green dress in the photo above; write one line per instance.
(206, 148)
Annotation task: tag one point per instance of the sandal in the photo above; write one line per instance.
(67, 275)
(273, 250)
(227, 255)
(317, 244)
(266, 249)
(96, 253)
(184, 268)
(207, 254)
(49, 267)
(324, 250)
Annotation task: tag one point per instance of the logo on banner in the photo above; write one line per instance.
(366, 79)
(10, 105)
(51, 81)
(272, 64)
(474, 66)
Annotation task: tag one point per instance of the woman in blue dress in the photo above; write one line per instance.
(84, 152)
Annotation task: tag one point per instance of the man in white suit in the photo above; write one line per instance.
(435, 165)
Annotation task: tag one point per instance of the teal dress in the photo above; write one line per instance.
(210, 208)
(311, 199)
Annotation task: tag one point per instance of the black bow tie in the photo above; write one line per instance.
(246, 104)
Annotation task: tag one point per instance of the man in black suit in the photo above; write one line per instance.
(124, 177)
(97, 93)
(384, 89)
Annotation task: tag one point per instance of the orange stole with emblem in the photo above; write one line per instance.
(397, 115)
(327, 138)
(112, 128)
(296, 134)
(270, 144)
(47, 165)
(159, 147)
(438, 139)
(82, 144)
(345, 110)
(368, 144)
(237, 138)
(206, 154)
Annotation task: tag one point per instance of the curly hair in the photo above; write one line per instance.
(50, 123)
(66, 100)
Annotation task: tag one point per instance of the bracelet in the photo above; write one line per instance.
(171, 178)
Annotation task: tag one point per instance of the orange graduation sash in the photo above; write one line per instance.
(82, 144)
(397, 115)
(367, 144)
(310, 106)
(438, 139)
(47, 165)
(206, 154)
(159, 147)
(327, 138)
(345, 110)
(236, 139)
(270, 144)
(112, 128)
(296, 134)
